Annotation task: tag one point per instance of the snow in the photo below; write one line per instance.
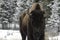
(54, 38)
(10, 35)
(15, 35)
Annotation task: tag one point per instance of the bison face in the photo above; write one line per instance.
(36, 17)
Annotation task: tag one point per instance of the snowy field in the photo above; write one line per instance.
(15, 35)
(10, 35)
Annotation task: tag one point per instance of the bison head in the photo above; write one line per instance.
(36, 15)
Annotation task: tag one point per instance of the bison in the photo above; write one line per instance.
(32, 23)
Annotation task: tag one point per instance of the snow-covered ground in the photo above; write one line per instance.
(10, 35)
(15, 35)
(54, 38)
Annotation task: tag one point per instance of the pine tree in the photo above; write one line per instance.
(7, 12)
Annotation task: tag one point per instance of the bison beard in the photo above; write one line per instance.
(33, 24)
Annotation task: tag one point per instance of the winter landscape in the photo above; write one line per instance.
(10, 11)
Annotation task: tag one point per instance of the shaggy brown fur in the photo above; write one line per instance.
(32, 23)
(23, 24)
